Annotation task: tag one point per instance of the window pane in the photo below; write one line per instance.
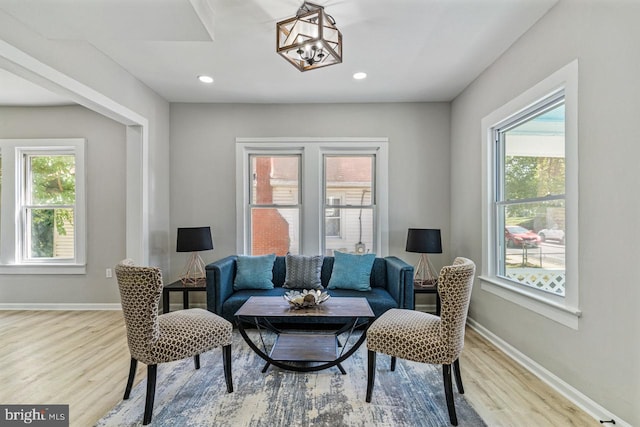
(534, 157)
(275, 180)
(332, 217)
(275, 231)
(53, 180)
(356, 234)
(51, 233)
(533, 250)
(351, 176)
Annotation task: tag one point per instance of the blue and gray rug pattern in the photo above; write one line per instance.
(412, 395)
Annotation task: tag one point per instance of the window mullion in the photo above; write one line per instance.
(531, 200)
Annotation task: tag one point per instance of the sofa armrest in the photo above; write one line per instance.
(400, 281)
(220, 275)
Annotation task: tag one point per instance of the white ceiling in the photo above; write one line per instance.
(412, 50)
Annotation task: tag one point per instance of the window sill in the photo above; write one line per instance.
(561, 313)
(43, 269)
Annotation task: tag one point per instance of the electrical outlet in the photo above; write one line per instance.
(109, 273)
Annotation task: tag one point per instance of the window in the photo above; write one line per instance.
(530, 199)
(353, 176)
(48, 205)
(275, 203)
(44, 185)
(310, 197)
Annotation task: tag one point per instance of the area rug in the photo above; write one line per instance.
(412, 395)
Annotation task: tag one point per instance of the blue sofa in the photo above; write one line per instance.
(391, 286)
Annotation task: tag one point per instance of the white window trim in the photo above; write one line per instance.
(11, 258)
(312, 197)
(564, 310)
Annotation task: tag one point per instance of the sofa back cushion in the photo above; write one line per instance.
(378, 272)
(303, 272)
(254, 272)
(351, 271)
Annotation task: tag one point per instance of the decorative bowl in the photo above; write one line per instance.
(306, 298)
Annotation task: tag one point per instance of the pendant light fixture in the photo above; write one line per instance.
(310, 39)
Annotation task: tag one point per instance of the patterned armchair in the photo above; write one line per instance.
(423, 337)
(154, 338)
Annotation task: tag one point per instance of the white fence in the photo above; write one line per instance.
(539, 278)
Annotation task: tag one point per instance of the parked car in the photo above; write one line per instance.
(518, 237)
(552, 234)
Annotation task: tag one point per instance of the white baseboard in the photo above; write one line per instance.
(65, 306)
(80, 306)
(574, 395)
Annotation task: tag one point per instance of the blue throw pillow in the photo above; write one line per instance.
(254, 272)
(351, 271)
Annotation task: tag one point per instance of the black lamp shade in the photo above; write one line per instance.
(194, 239)
(424, 241)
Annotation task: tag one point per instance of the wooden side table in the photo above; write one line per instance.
(178, 286)
(428, 290)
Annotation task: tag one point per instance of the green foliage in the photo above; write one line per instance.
(531, 177)
(42, 222)
(520, 177)
(53, 180)
(550, 176)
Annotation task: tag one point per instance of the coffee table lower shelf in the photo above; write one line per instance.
(295, 348)
(292, 349)
(305, 348)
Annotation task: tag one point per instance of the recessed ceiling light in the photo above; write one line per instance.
(360, 76)
(205, 79)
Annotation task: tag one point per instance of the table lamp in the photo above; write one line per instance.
(194, 240)
(424, 241)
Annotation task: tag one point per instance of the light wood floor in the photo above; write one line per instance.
(81, 358)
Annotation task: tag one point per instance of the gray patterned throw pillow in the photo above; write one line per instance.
(303, 272)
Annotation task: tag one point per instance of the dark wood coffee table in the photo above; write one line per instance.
(290, 346)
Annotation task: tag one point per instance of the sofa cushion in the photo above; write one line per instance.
(351, 271)
(303, 272)
(254, 272)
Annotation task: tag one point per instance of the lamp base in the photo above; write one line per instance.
(425, 276)
(193, 273)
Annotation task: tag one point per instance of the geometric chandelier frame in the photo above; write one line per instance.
(309, 40)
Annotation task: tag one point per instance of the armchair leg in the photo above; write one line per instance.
(151, 392)
(456, 371)
(226, 361)
(393, 363)
(196, 361)
(448, 391)
(371, 373)
(132, 374)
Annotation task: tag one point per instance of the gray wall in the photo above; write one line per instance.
(203, 162)
(601, 358)
(105, 153)
(88, 66)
